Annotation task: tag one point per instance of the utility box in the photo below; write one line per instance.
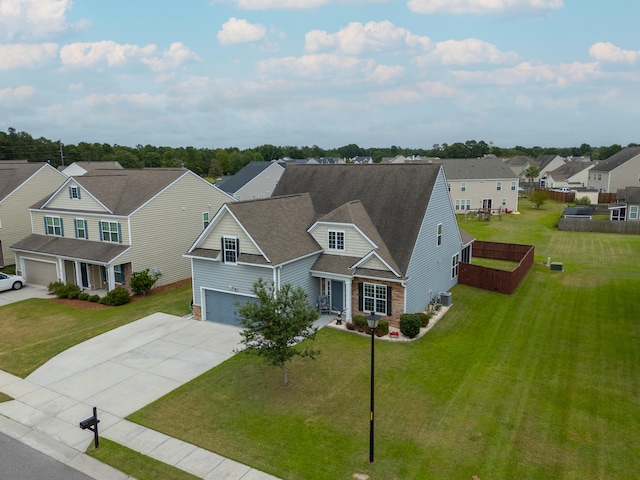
(557, 267)
(445, 299)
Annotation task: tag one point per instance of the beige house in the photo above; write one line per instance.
(573, 174)
(21, 185)
(98, 228)
(618, 171)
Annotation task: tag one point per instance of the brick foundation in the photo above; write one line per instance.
(197, 312)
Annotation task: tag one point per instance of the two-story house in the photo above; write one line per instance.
(545, 164)
(573, 174)
(620, 170)
(98, 228)
(372, 238)
(255, 180)
(21, 185)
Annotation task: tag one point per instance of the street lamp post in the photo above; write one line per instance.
(372, 321)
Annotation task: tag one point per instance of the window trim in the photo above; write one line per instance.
(455, 265)
(338, 246)
(498, 186)
(205, 220)
(74, 192)
(52, 226)
(117, 232)
(439, 234)
(463, 186)
(84, 228)
(513, 186)
(234, 252)
(118, 271)
(632, 215)
(379, 297)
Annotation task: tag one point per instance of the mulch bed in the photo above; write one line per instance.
(86, 305)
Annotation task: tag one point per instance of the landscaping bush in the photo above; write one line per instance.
(115, 297)
(67, 291)
(424, 319)
(410, 324)
(94, 298)
(350, 326)
(54, 286)
(360, 323)
(73, 294)
(583, 201)
(83, 296)
(9, 270)
(383, 328)
(142, 282)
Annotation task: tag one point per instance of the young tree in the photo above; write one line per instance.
(531, 173)
(538, 198)
(275, 324)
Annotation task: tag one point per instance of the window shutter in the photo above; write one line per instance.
(70, 194)
(237, 249)
(46, 230)
(222, 248)
(360, 296)
(86, 230)
(119, 233)
(61, 228)
(389, 311)
(100, 230)
(78, 193)
(75, 227)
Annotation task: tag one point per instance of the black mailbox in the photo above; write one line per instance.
(91, 423)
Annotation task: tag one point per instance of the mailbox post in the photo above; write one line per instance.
(91, 423)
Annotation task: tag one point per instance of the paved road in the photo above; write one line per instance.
(21, 462)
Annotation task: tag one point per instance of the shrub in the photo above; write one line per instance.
(350, 326)
(383, 328)
(73, 294)
(83, 296)
(142, 282)
(360, 323)
(54, 286)
(9, 270)
(67, 291)
(115, 297)
(424, 318)
(94, 298)
(582, 201)
(410, 324)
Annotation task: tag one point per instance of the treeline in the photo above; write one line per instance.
(227, 161)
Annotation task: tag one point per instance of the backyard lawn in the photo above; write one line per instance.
(544, 383)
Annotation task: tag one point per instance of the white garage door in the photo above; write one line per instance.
(221, 307)
(40, 273)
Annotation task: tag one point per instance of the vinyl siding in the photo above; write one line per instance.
(626, 175)
(93, 225)
(430, 265)
(477, 190)
(225, 277)
(14, 209)
(297, 274)
(356, 245)
(263, 184)
(227, 226)
(374, 263)
(164, 229)
(85, 203)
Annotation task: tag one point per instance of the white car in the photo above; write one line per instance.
(9, 282)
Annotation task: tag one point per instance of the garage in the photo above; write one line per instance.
(221, 306)
(40, 273)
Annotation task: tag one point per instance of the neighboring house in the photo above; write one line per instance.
(546, 164)
(620, 170)
(21, 185)
(77, 169)
(518, 165)
(372, 238)
(486, 183)
(99, 228)
(255, 180)
(627, 206)
(573, 174)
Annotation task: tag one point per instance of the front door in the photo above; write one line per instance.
(337, 295)
(486, 203)
(84, 275)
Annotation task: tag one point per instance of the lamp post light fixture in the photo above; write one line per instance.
(372, 321)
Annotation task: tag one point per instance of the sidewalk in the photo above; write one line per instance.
(120, 372)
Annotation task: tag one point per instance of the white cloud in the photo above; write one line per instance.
(34, 18)
(177, 54)
(465, 52)
(318, 66)
(608, 52)
(386, 73)
(277, 4)
(236, 31)
(19, 55)
(523, 73)
(480, 6)
(134, 99)
(357, 38)
(18, 93)
(89, 54)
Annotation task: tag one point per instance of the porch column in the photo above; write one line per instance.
(78, 273)
(347, 302)
(111, 276)
(63, 273)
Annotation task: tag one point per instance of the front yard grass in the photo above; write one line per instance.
(35, 330)
(543, 383)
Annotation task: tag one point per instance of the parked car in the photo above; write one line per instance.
(8, 282)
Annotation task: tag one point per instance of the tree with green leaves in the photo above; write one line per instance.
(276, 324)
(538, 198)
(531, 173)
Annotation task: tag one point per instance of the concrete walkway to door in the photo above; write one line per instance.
(120, 372)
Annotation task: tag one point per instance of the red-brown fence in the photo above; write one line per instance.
(607, 197)
(494, 279)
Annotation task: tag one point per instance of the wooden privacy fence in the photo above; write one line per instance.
(494, 279)
(600, 226)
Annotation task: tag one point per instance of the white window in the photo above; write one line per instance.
(375, 298)
(336, 240)
(74, 193)
(118, 274)
(498, 186)
(80, 225)
(439, 234)
(463, 186)
(110, 231)
(230, 246)
(633, 212)
(205, 219)
(513, 186)
(504, 202)
(53, 226)
(455, 260)
(448, 186)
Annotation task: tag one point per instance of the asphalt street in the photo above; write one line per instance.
(21, 462)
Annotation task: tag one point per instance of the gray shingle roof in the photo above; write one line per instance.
(395, 197)
(244, 176)
(614, 161)
(102, 252)
(629, 195)
(542, 161)
(568, 170)
(476, 168)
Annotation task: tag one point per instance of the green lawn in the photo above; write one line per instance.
(542, 384)
(35, 330)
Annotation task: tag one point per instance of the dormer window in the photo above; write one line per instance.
(336, 240)
(74, 193)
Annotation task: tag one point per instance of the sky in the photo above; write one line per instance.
(377, 73)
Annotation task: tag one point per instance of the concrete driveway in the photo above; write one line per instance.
(27, 291)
